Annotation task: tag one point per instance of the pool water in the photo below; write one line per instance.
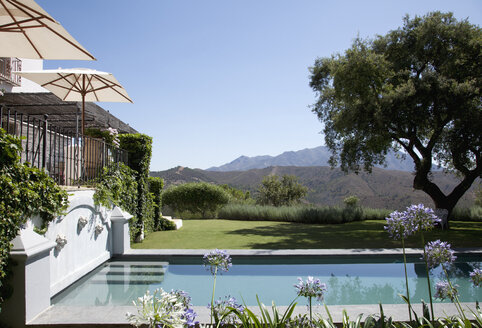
(349, 281)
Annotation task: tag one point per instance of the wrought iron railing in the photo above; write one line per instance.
(70, 159)
(7, 66)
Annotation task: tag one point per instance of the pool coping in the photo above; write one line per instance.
(114, 316)
(294, 252)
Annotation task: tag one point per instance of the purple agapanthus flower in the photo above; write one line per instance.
(189, 314)
(398, 225)
(421, 218)
(443, 290)
(217, 259)
(220, 307)
(476, 277)
(438, 252)
(414, 219)
(311, 288)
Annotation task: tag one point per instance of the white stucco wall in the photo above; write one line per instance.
(27, 85)
(85, 249)
(43, 270)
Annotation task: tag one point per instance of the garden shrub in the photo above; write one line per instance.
(165, 224)
(238, 196)
(139, 147)
(109, 136)
(25, 192)
(196, 198)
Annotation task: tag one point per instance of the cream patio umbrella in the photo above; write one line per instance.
(79, 84)
(28, 31)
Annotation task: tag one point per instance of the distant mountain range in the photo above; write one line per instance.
(318, 156)
(381, 189)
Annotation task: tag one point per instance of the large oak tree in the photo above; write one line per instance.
(416, 89)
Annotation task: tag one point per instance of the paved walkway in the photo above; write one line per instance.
(115, 316)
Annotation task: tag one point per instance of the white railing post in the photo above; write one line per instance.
(120, 231)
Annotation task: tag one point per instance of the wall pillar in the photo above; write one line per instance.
(31, 278)
(120, 231)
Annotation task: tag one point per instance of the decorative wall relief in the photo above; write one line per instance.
(98, 228)
(61, 240)
(82, 222)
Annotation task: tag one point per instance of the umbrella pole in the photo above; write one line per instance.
(83, 114)
(83, 103)
(77, 169)
(83, 135)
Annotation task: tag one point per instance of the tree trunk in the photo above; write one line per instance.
(442, 201)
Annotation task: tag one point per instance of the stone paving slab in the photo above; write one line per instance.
(115, 316)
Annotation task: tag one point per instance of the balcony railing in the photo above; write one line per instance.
(7, 66)
(70, 160)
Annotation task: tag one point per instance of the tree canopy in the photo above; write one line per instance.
(276, 192)
(415, 89)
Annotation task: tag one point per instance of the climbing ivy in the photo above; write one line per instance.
(139, 147)
(155, 187)
(24, 192)
(117, 186)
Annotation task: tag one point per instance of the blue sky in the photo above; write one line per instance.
(212, 80)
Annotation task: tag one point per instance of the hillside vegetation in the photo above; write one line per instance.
(381, 189)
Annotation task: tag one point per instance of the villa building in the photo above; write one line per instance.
(50, 127)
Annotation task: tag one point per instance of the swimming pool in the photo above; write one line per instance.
(349, 280)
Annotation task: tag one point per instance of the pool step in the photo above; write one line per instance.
(131, 273)
(127, 270)
(137, 263)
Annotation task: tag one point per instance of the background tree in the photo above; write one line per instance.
(351, 201)
(237, 195)
(195, 197)
(276, 192)
(417, 89)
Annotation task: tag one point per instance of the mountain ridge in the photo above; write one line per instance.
(317, 156)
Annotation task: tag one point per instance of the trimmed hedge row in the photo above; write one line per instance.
(301, 214)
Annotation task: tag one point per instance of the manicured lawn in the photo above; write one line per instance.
(227, 234)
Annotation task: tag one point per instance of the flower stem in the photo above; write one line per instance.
(311, 317)
(406, 280)
(455, 298)
(212, 298)
(428, 277)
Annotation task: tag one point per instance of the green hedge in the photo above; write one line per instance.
(197, 198)
(155, 188)
(473, 213)
(139, 147)
(301, 214)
